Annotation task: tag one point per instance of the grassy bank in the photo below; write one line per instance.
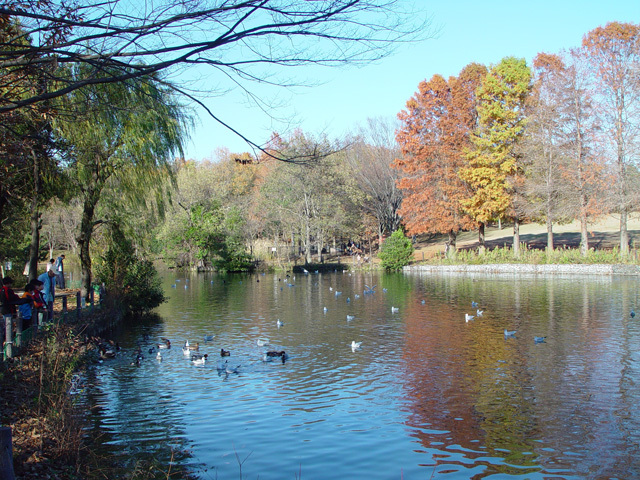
(604, 239)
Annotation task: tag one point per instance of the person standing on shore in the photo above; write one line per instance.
(59, 269)
(49, 291)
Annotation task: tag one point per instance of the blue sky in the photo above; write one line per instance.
(469, 31)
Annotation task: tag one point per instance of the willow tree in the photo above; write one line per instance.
(123, 135)
(493, 171)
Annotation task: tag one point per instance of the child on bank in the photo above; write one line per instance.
(38, 300)
(26, 310)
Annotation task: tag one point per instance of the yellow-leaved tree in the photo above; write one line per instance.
(493, 171)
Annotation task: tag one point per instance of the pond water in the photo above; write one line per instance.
(427, 394)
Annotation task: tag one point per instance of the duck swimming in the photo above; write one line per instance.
(224, 353)
(268, 356)
(198, 359)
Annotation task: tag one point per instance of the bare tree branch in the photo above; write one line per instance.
(241, 39)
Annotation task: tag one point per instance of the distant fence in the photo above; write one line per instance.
(16, 338)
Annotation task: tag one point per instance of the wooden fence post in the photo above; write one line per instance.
(19, 330)
(6, 454)
(65, 306)
(8, 343)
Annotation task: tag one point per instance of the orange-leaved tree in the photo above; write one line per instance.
(436, 127)
(493, 171)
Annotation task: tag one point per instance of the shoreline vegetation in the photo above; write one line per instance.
(604, 238)
(43, 404)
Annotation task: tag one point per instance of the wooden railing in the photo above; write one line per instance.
(23, 337)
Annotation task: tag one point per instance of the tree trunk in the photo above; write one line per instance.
(84, 238)
(307, 246)
(320, 243)
(452, 242)
(34, 246)
(516, 237)
(481, 234)
(550, 246)
(624, 234)
(584, 236)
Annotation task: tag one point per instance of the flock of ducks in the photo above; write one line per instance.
(108, 350)
(507, 333)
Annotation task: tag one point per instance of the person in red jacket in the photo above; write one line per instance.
(8, 302)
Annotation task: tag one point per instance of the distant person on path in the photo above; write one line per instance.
(49, 291)
(59, 268)
(51, 264)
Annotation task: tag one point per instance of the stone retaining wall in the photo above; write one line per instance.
(528, 269)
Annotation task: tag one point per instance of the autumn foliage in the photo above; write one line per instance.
(551, 145)
(436, 128)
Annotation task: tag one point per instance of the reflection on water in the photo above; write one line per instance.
(427, 395)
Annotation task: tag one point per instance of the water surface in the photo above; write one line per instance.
(427, 395)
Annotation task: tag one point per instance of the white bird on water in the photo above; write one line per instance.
(350, 317)
(279, 323)
(261, 342)
(509, 333)
(468, 317)
(539, 339)
(395, 309)
(479, 312)
(198, 359)
(325, 309)
(355, 345)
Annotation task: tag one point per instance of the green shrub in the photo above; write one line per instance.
(132, 283)
(396, 251)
